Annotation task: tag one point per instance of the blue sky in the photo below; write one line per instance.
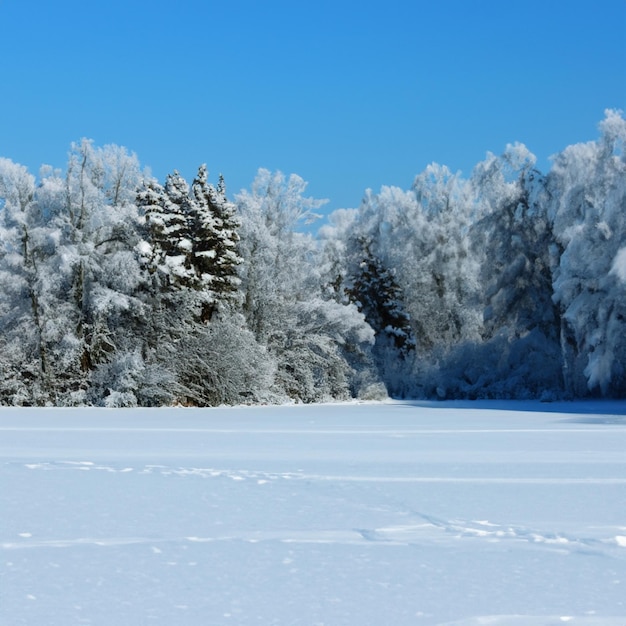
(347, 94)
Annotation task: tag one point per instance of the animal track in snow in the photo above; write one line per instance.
(612, 539)
(259, 477)
(436, 530)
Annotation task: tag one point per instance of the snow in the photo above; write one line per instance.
(508, 514)
(619, 265)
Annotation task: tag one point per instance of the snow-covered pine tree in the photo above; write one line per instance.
(168, 248)
(373, 289)
(378, 296)
(192, 331)
(169, 291)
(214, 225)
(421, 237)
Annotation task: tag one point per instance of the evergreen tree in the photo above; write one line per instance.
(167, 250)
(214, 232)
(378, 296)
(373, 289)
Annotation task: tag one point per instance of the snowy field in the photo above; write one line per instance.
(361, 514)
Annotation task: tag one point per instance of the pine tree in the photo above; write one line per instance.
(378, 296)
(214, 228)
(167, 250)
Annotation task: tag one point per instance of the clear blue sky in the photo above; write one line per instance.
(348, 94)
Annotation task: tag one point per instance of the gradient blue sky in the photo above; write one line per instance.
(347, 94)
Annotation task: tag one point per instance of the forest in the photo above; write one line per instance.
(119, 290)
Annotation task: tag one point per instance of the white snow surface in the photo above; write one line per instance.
(398, 513)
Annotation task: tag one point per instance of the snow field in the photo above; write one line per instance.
(356, 514)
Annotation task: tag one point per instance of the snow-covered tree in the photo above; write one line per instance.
(119, 291)
(378, 296)
(444, 287)
(587, 187)
(420, 239)
(167, 247)
(355, 274)
(191, 239)
(94, 263)
(520, 354)
(24, 362)
(71, 245)
(214, 227)
(319, 345)
(193, 328)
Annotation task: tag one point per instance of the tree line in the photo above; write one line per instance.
(120, 290)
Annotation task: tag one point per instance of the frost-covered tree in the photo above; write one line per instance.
(94, 262)
(519, 354)
(319, 346)
(24, 363)
(116, 290)
(513, 238)
(77, 271)
(220, 362)
(277, 268)
(193, 329)
(445, 285)
(355, 274)
(420, 238)
(587, 187)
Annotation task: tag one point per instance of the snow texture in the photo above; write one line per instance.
(509, 514)
(619, 265)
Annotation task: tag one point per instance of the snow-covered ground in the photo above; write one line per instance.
(361, 514)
